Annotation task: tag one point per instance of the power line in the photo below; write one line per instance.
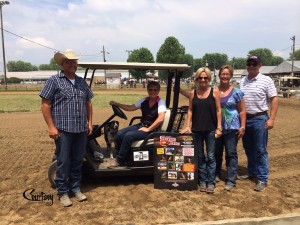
(90, 56)
(31, 40)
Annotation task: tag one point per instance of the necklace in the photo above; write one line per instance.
(224, 90)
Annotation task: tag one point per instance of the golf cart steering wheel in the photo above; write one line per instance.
(118, 111)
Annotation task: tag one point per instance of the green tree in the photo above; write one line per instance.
(238, 63)
(20, 66)
(14, 80)
(140, 55)
(276, 60)
(171, 51)
(265, 55)
(214, 60)
(44, 67)
(296, 55)
(198, 63)
(188, 59)
(51, 66)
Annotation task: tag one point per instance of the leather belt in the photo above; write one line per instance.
(249, 116)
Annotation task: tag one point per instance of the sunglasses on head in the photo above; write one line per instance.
(252, 64)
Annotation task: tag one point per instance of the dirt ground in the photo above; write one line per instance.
(26, 153)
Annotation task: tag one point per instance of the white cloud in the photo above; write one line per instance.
(233, 27)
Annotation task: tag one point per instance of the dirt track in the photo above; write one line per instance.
(26, 153)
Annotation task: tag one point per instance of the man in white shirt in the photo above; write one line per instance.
(260, 96)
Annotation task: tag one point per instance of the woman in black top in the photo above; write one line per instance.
(205, 113)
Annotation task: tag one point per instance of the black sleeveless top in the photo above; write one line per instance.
(149, 115)
(204, 116)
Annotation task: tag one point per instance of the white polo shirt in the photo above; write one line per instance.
(258, 92)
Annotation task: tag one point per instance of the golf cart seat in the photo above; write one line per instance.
(163, 128)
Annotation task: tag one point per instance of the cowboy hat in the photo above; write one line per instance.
(68, 54)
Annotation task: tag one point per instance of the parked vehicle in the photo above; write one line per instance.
(97, 158)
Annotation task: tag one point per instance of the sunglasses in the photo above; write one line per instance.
(70, 61)
(254, 64)
(201, 78)
(150, 89)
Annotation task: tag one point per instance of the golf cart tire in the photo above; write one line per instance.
(51, 173)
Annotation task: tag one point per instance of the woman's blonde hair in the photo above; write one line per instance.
(205, 70)
(230, 69)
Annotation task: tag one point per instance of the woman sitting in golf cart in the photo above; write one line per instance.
(153, 113)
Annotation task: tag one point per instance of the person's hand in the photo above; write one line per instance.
(145, 129)
(186, 130)
(269, 124)
(241, 132)
(53, 133)
(90, 129)
(218, 133)
(112, 103)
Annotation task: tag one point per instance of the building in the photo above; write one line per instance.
(285, 69)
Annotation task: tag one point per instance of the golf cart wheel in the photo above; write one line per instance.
(52, 173)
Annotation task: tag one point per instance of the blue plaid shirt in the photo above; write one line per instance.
(68, 102)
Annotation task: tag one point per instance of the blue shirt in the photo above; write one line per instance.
(68, 102)
(230, 114)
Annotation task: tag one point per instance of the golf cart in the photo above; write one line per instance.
(141, 155)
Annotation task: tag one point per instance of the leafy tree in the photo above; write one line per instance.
(44, 67)
(188, 59)
(296, 55)
(265, 55)
(51, 66)
(276, 60)
(214, 60)
(13, 80)
(20, 66)
(171, 51)
(140, 55)
(238, 63)
(198, 63)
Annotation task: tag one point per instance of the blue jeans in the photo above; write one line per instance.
(255, 144)
(229, 141)
(70, 149)
(125, 138)
(206, 163)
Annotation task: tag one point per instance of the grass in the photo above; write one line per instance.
(31, 102)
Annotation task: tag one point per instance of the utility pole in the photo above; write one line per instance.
(2, 3)
(104, 53)
(104, 60)
(128, 51)
(293, 52)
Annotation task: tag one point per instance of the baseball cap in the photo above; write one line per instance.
(254, 58)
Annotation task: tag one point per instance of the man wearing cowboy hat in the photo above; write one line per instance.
(67, 110)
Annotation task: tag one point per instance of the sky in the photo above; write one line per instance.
(232, 27)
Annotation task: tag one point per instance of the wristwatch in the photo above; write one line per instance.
(219, 128)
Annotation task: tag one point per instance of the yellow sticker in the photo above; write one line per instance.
(160, 151)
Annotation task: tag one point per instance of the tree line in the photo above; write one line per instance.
(171, 51)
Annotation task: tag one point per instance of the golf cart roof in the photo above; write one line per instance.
(133, 65)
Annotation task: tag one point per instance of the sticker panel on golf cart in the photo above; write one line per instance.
(175, 161)
(141, 156)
